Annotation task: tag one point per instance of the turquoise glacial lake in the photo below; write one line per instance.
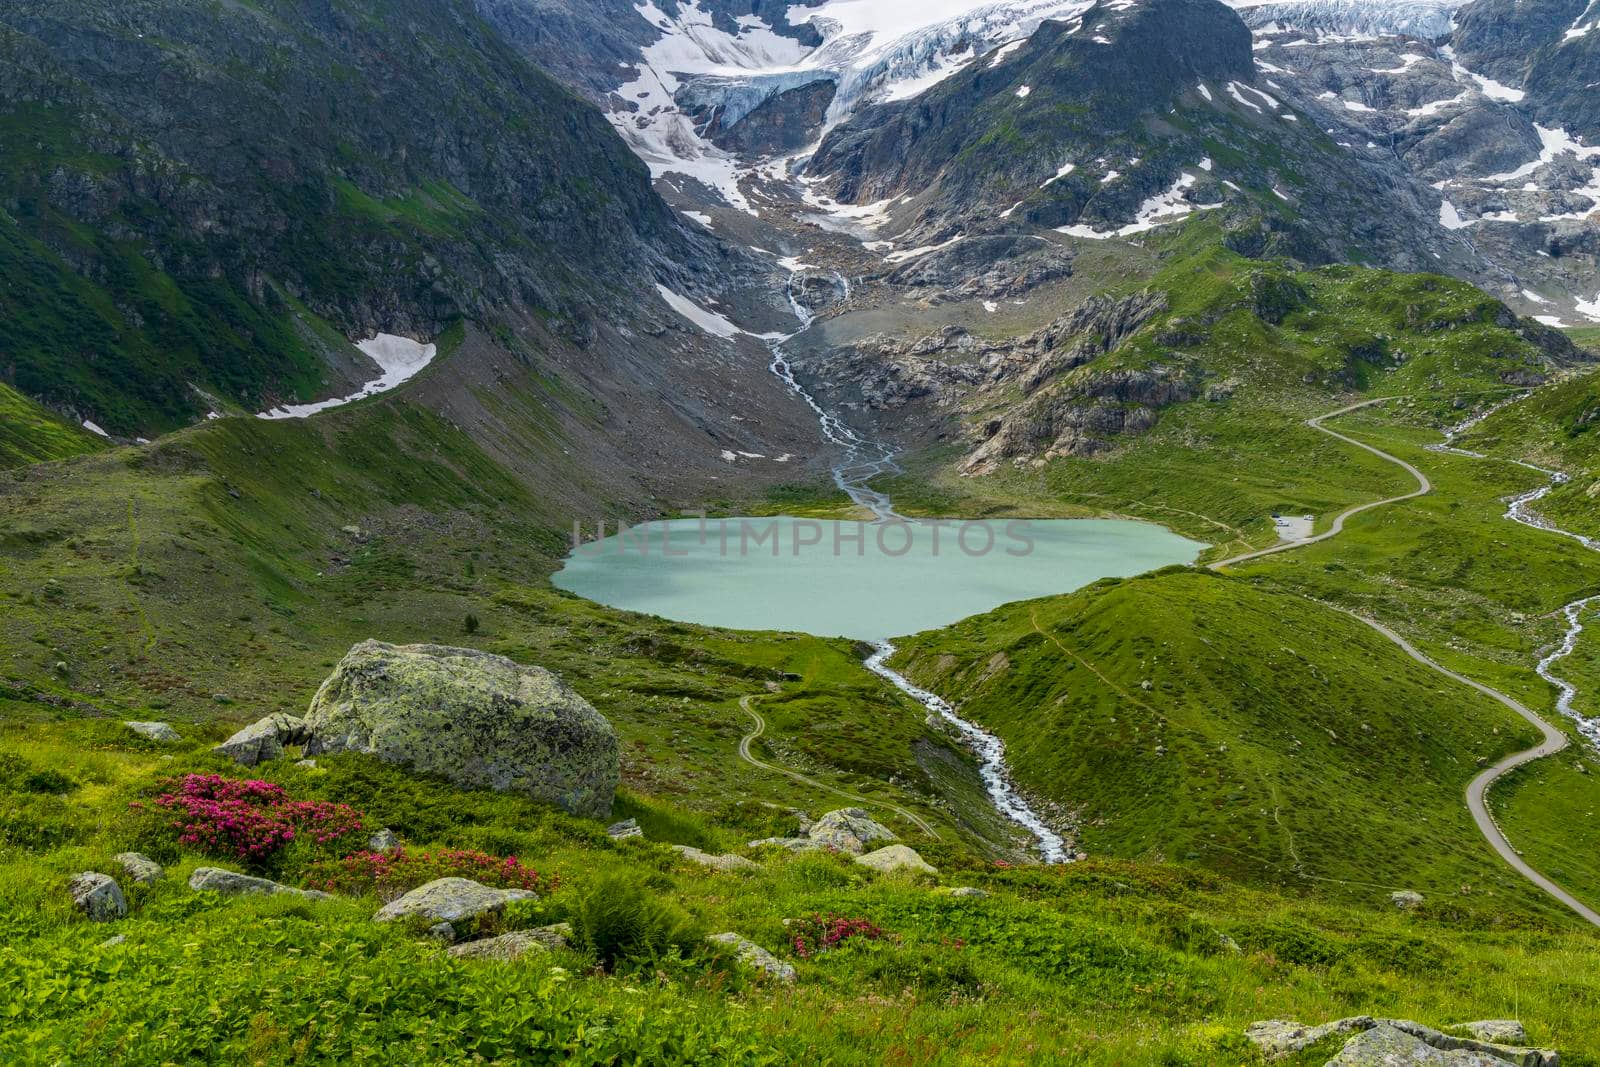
(868, 581)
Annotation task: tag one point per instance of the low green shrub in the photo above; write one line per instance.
(621, 923)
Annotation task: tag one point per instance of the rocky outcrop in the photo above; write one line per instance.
(154, 731)
(98, 896)
(896, 858)
(479, 720)
(451, 901)
(1393, 1043)
(140, 868)
(784, 122)
(726, 862)
(263, 739)
(232, 884)
(755, 957)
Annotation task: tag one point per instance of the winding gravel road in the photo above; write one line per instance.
(1554, 739)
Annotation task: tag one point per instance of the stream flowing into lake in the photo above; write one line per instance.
(866, 580)
(865, 460)
(1521, 510)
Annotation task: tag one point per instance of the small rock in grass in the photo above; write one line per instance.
(111, 942)
(233, 884)
(263, 739)
(514, 945)
(1406, 899)
(308, 764)
(442, 932)
(621, 831)
(140, 868)
(896, 858)
(451, 900)
(849, 830)
(728, 862)
(154, 731)
(385, 840)
(755, 957)
(1277, 1038)
(961, 891)
(1499, 1031)
(98, 896)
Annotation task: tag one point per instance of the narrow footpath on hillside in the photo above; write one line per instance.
(747, 703)
(1554, 741)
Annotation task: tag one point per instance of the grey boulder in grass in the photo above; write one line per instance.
(98, 896)
(451, 900)
(477, 719)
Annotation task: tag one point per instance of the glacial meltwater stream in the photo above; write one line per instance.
(868, 580)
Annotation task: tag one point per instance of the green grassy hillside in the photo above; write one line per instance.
(29, 434)
(1103, 962)
(1194, 718)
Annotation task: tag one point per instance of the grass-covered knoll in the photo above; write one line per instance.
(1103, 962)
(1195, 718)
(29, 434)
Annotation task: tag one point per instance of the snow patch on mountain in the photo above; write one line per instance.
(1159, 210)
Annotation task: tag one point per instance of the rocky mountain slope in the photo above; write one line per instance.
(191, 193)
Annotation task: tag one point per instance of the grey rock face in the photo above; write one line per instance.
(784, 122)
(140, 868)
(451, 900)
(233, 884)
(849, 830)
(98, 896)
(155, 731)
(755, 957)
(514, 945)
(263, 739)
(476, 719)
(892, 858)
(728, 862)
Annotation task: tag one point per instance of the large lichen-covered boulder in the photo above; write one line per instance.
(476, 719)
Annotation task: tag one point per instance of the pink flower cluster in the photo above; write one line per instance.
(249, 819)
(822, 932)
(395, 872)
